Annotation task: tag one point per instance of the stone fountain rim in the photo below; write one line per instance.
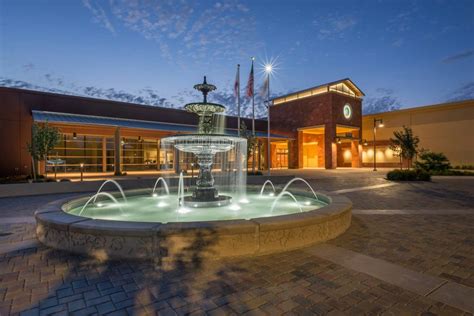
(240, 237)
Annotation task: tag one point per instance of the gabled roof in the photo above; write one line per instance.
(330, 86)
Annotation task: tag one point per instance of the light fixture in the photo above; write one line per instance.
(139, 138)
(74, 135)
(268, 68)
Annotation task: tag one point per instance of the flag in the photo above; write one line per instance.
(250, 83)
(264, 90)
(237, 82)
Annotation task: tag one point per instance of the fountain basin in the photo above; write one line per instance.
(106, 239)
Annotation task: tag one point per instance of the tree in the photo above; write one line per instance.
(43, 140)
(405, 144)
(433, 162)
(251, 140)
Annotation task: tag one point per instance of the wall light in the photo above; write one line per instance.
(74, 135)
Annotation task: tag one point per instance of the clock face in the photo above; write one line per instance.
(347, 110)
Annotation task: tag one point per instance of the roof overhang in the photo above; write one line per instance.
(91, 120)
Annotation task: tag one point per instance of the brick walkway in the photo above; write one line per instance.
(40, 281)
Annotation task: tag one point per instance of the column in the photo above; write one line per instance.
(300, 149)
(104, 154)
(355, 151)
(330, 147)
(117, 152)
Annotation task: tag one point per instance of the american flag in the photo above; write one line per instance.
(250, 83)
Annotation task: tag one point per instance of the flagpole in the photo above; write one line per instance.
(269, 148)
(253, 116)
(238, 98)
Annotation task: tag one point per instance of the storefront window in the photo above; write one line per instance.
(139, 154)
(74, 150)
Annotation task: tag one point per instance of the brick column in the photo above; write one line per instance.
(330, 148)
(300, 149)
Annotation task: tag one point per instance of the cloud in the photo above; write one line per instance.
(99, 15)
(402, 21)
(334, 26)
(222, 30)
(465, 92)
(457, 57)
(383, 101)
(146, 96)
(398, 43)
(28, 67)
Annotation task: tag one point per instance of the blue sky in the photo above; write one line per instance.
(413, 52)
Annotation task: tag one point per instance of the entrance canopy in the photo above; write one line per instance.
(90, 120)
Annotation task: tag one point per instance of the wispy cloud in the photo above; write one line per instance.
(398, 43)
(28, 67)
(221, 30)
(99, 15)
(459, 56)
(334, 25)
(464, 92)
(383, 100)
(146, 96)
(402, 22)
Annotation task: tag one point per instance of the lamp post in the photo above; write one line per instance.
(268, 71)
(82, 171)
(377, 123)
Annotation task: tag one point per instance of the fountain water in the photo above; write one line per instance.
(263, 187)
(116, 184)
(165, 185)
(283, 193)
(94, 197)
(302, 180)
(180, 190)
(207, 146)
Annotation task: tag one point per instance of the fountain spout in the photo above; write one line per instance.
(116, 184)
(165, 185)
(281, 195)
(264, 185)
(94, 197)
(305, 182)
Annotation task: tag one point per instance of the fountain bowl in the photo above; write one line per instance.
(110, 239)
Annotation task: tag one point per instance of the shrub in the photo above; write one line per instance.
(408, 175)
(433, 162)
(464, 167)
(256, 173)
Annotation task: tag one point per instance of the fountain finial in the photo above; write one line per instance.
(205, 88)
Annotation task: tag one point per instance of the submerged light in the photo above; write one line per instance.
(235, 207)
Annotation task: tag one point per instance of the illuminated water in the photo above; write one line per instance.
(164, 208)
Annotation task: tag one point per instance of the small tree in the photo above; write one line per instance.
(43, 140)
(433, 162)
(405, 144)
(251, 140)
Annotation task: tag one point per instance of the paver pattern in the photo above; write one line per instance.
(41, 281)
(441, 245)
(47, 282)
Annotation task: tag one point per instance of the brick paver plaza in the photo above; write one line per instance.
(419, 230)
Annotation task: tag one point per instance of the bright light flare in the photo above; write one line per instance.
(268, 68)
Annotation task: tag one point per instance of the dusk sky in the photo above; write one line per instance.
(413, 52)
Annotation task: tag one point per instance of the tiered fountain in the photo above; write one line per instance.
(223, 216)
(205, 145)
